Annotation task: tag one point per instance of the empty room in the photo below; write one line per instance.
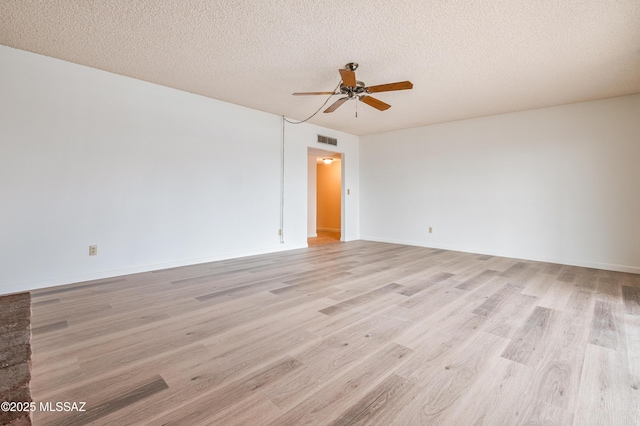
(323, 213)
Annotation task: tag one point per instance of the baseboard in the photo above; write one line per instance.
(571, 262)
(99, 275)
(329, 229)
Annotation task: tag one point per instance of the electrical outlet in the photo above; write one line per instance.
(93, 250)
(430, 230)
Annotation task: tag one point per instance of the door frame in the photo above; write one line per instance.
(319, 152)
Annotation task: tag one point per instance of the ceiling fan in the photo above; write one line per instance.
(355, 89)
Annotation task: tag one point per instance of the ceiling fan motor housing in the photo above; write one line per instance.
(358, 89)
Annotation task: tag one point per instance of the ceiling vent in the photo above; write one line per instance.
(327, 140)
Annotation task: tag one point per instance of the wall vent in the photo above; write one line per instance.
(328, 140)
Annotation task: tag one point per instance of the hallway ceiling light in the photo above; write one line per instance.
(327, 160)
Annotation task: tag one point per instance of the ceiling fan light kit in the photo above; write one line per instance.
(352, 88)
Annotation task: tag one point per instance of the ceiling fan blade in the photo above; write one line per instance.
(400, 85)
(376, 103)
(336, 104)
(348, 77)
(314, 93)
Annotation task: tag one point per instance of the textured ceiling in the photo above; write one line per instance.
(465, 58)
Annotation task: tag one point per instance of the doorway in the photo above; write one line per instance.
(324, 197)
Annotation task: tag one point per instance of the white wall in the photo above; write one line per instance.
(557, 184)
(155, 177)
(312, 194)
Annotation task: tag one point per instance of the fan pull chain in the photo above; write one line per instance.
(357, 99)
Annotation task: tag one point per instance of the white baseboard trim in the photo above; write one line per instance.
(112, 273)
(329, 229)
(570, 262)
(98, 275)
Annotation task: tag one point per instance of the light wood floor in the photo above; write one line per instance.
(324, 237)
(350, 333)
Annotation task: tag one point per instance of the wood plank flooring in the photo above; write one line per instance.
(343, 334)
(324, 237)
